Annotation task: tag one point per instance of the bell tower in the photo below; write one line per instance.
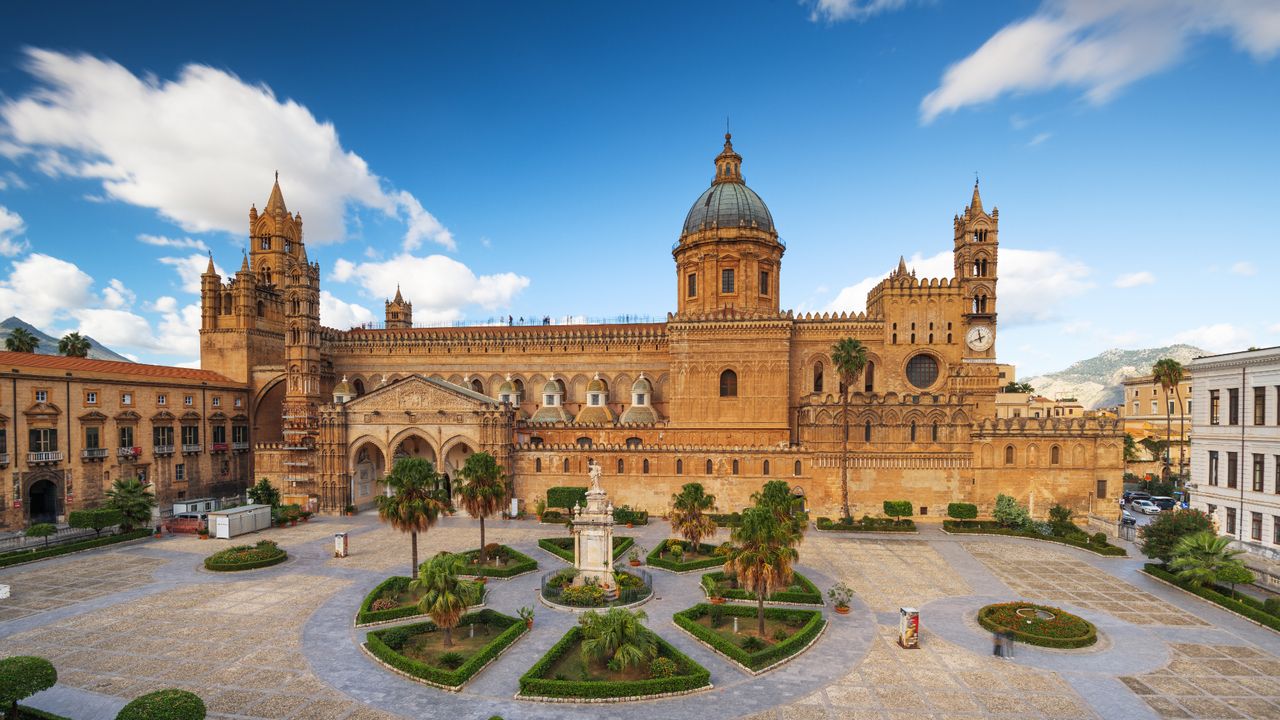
(976, 255)
(275, 239)
(399, 312)
(300, 411)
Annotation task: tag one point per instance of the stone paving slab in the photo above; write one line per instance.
(37, 587)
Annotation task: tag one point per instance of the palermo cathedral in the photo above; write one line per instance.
(730, 391)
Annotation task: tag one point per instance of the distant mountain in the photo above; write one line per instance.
(1096, 382)
(49, 344)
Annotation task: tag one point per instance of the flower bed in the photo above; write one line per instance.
(801, 591)
(21, 556)
(535, 683)
(1024, 621)
(991, 527)
(802, 628)
(246, 557)
(388, 602)
(390, 645)
(562, 547)
(656, 559)
(559, 589)
(867, 524)
(513, 563)
(1241, 605)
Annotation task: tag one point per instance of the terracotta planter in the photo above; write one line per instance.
(629, 525)
(305, 519)
(204, 537)
(635, 563)
(528, 624)
(482, 580)
(717, 601)
(842, 610)
(157, 534)
(293, 523)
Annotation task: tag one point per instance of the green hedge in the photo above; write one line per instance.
(517, 563)
(692, 676)
(30, 713)
(217, 564)
(395, 584)
(1226, 602)
(514, 628)
(625, 514)
(563, 547)
(21, 556)
(668, 563)
(566, 498)
(733, 519)
(867, 524)
(991, 527)
(168, 704)
(96, 519)
(962, 511)
(811, 595)
(814, 622)
(1041, 640)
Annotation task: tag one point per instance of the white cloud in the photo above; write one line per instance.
(41, 287)
(837, 10)
(1032, 283)
(1244, 268)
(1038, 139)
(1220, 337)
(180, 243)
(11, 226)
(193, 147)
(1099, 47)
(190, 268)
(341, 315)
(1135, 279)
(439, 287)
(117, 296)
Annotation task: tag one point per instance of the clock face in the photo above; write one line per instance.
(980, 338)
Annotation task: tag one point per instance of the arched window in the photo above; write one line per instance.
(709, 466)
(621, 466)
(735, 467)
(644, 466)
(728, 384)
(765, 469)
(869, 377)
(633, 442)
(264, 274)
(293, 334)
(566, 464)
(584, 442)
(817, 377)
(537, 464)
(262, 309)
(535, 440)
(297, 307)
(913, 431)
(519, 385)
(796, 471)
(1008, 454)
(1055, 455)
(866, 432)
(227, 305)
(679, 467)
(934, 436)
(477, 386)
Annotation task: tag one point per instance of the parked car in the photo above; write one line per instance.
(1127, 518)
(1165, 502)
(1145, 506)
(1132, 495)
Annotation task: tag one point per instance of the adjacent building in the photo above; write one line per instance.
(1151, 413)
(1235, 445)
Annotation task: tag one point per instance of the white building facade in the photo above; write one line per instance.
(1235, 446)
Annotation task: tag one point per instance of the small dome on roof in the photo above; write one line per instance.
(507, 387)
(642, 384)
(343, 387)
(552, 388)
(596, 384)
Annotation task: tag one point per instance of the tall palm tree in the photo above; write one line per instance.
(1168, 372)
(483, 491)
(617, 637)
(1200, 558)
(689, 515)
(762, 555)
(776, 496)
(74, 344)
(131, 498)
(850, 357)
(445, 597)
(416, 501)
(21, 340)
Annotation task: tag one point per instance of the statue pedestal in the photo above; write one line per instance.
(593, 537)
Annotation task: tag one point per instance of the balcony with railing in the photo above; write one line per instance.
(94, 453)
(218, 447)
(128, 453)
(51, 456)
(240, 446)
(4, 458)
(190, 448)
(163, 450)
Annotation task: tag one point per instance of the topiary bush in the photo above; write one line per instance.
(21, 677)
(171, 704)
(566, 498)
(897, 509)
(663, 667)
(962, 511)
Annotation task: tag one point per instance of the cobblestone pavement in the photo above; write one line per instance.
(887, 574)
(1044, 573)
(37, 587)
(1218, 681)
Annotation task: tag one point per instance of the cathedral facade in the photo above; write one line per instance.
(730, 391)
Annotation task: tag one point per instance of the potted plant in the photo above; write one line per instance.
(350, 510)
(203, 532)
(526, 614)
(840, 595)
(712, 589)
(306, 515)
(633, 556)
(158, 530)
(539, 508)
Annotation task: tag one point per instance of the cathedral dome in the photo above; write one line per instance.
(728, 203)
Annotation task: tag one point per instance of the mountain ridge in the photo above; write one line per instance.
(49, 344)
(1096, 382)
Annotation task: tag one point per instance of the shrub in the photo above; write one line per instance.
(382, 603)
(96, 519)
(1010, 514)
(1060, 520)
(566, 498)
(990, 527)
(21, 677)
(451, 660)
(1242, 605)
(1271, 605)
(897, 509)
(42, 530)
(246, 557)
(717, 615)
(751, 643)
(264, 493)
(663, 667)
(626, 514)
(779, 635)
(962, 511)
(1158, 538)
(494, 550)
(171, 704)
(866, 524)
(1100, 538)
(582, 595)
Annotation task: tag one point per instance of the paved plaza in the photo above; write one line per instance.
(278, 642)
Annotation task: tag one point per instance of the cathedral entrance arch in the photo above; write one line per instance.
(42, 498)
(456, 452)
(413, 445)
(368, 466)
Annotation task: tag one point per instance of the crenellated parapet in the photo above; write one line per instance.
(571, 448)
(1028, 426)
(496, 339)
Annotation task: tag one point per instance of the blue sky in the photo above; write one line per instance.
(538, 158)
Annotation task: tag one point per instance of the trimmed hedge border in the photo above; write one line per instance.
(826, 525)
(533, 686)
(22, 556)
(954, 527)
(1248, 612)
(621, 544)
(764, 660)
(367, 617)
(810, 596)
(451, 680)
(1040, 640)
(26, 711)
(653, 559)
(279, 557)
(519, 564)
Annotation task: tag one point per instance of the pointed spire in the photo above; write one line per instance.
(975, 205)
(399, 298)
(244, 264)
(728, 164)
(902, 265)
(276, 201)
(210, 270)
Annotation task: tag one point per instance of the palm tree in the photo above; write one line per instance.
(688, 514)
(131, 498)
(617, 637)
(1198, 559)
(762, 555)
(1168, 372)
(850, 357)
(74, 345)
(483, 491)
(416, 501)
(776, 496)
(444, 597)
(21, 340)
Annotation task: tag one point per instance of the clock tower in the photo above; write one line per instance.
(976, 254)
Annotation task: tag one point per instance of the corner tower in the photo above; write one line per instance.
(729, 256)
(275, 239)
(976, 254)
(399, 312)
